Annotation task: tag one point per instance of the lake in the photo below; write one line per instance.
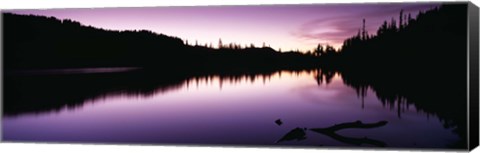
(244, 109)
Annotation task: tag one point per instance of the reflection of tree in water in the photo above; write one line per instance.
(324, 76)
(51, 93)
(54, 92)
(429, 93)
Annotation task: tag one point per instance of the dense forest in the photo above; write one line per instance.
(437, 36)
(36, 42)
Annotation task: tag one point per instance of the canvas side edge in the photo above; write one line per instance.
(473, 76)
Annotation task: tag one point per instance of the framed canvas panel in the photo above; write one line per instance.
(357, 75)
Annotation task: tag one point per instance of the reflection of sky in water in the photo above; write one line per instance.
(210, 111)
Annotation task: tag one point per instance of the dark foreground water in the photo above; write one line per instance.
(214, 109)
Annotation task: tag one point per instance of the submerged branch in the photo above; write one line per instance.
(356, 124)
(331, 132)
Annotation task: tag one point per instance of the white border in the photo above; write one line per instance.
(60, 148)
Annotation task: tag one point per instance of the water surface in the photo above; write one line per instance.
(234, 110)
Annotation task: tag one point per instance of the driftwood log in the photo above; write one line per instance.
(331, 132)
(349, 125)
(300, 133)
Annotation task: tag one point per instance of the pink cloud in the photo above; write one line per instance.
(335, 29)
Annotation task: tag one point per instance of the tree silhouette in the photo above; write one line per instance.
(400, 24)
(319, 50)
(220, 44)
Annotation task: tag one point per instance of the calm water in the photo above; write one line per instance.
(239, 110)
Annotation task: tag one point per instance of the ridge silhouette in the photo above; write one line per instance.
(38, 42)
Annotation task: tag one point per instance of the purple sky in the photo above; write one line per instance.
(288, 27)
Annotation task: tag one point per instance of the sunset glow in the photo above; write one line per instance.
(288, 27)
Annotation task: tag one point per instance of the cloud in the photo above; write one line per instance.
(334, 30)
(328, 31)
